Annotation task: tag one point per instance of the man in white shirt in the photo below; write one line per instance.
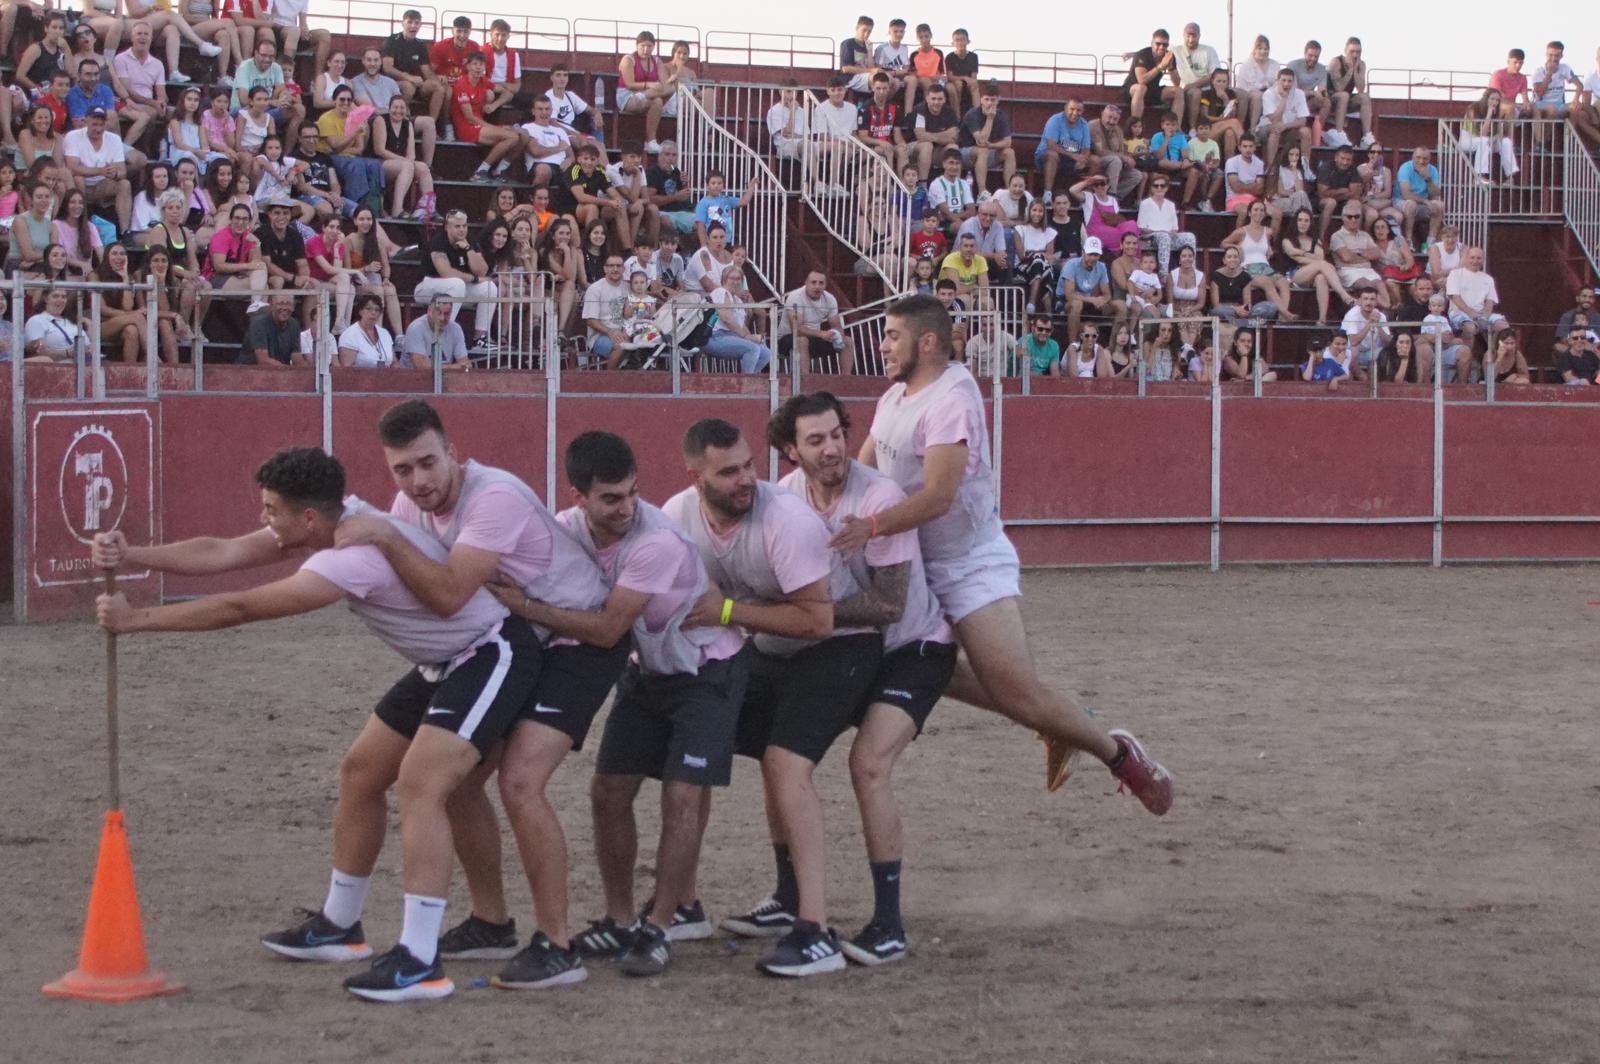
(951, 194)
(568, 111)
(1367, 329)
(549, 145)
(602, 313)
(1549, 89)
(811, 317)
(1284, 114)
(289, 17)
(98, 160)
(1194, 62)
(835, 118)
(1473, 298)
(786, 122)
(894, 58)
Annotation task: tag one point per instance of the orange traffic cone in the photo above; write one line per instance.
(112, 965)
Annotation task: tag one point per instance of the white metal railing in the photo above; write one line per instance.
(741, 108)
(1466, 193)
(987, 332)
(762, 226)
(859, 199)
(1580, 196)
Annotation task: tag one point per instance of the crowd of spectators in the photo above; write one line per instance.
(261, 185)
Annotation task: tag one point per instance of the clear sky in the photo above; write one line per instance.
(1459, 40)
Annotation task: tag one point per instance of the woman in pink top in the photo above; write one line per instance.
(233, 261)
(329, 258)
(76, 233)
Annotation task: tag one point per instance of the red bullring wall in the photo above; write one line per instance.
(1087, 478)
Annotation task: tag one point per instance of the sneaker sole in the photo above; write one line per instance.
(745, 929)
(331, 954)
(424, 991)
(695, 932)
(642, 971)
(566, 978)
(868, 959)
(481, 953)
(835, 963)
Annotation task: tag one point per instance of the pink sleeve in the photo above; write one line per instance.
(797, 543)
(653, 564)
(357, 571)
(884, 551)
(500, 515)
(951, 419)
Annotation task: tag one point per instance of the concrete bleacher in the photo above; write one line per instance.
(1402, 123)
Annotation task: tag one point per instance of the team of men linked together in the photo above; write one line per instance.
(742, 617)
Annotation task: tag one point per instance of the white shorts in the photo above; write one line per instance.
(964, 585)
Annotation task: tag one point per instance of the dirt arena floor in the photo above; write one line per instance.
(1383, 847)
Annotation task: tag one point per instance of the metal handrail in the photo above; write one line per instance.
(1580, 196)
(852, 190)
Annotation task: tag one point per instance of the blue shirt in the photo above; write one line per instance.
(79, 105)
(1072, 136)
(1173, 150)
(1418, 183)
(1328, 369)
(1082, 278)
(717, 209)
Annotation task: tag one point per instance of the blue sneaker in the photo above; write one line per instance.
(398, 976)
(317, 938)
(808, 949)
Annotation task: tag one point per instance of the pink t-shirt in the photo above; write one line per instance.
(663, 566)
(67, 237)
(952, 418)
(218, 130)
(362, 572)
(796, 542)
(142, 78)
(1511, 85)
(501, 522)
(233, 248)
(317, 246)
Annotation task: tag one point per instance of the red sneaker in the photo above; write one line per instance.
(1142, 774)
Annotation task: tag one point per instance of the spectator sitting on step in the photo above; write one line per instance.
(98, 161)
(894, 58)
(1437, 339)
(140, 83)
(811, 317)
(1356, 255)
(1582, 308)
(627, 177)
(931, 129)
(171, 27)
(315, 182)
(1102, 214)
(448, 57)
(407, 59)
(1153, 76)
(1510, 364)
(584, 191)
(680, 74)
(1311, 78)
(927, 62)
(1064, 152)
(1549, 85)
(1013, 201)
(548, 144)
(1158, 223)
(568, 110)
(273, 337)
(1339, 185)
(1328, 361)
(344, 133)
(1578, 363)
(643, 89)
(1473, 299)
(434, 336)
(277, 176)
(394, 145)
(1512, 84)
(1196, 63)
(929, 241)
(1145, 287)
(718, 205)
(731, 337)
(961, 72)
(87, 93)
(968, 269)
(503, 66)
(1256, 74)
(1585, 113)
(1347, 85)
(262, 69)
(375, 89)
(879, 120)
(251, 128)
(1113, 161)
(951, 194)
(1085, 287)
(457, 269)
(469, 101)
(1170, 150)
(705, 265)
(1367, 328)
(669, 193)
(1220, 108)
(1285, 116)
(855, 57)
(786, 122)
(985, 137)
(289, 20)
(667, 267)
(989, 239)
(331, 77)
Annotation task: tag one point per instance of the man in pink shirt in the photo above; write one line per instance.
(1512, 83)
(144, 79)
(676, 705)
(812, 431)
(492, 523)
(928, 435)
(474, 669)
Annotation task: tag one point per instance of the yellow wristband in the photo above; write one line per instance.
(727, 610)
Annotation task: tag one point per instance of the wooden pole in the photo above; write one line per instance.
(112, 756)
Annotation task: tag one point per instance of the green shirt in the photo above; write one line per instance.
(1042, 357)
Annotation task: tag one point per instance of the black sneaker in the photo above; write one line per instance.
(604, 938)
(541, 964)
(806, 950)
(649, 953)
(689, 923)
(474, 939)
(316, 938)
(767, 920)
(398, 976)
(876, 944)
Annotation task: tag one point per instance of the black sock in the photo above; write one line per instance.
(1122, 755)
(886, 893)
(788, 891)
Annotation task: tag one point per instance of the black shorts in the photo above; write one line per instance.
(913, 677)
(676, 727)
(480, 698)
(816, 347)
(803, 703)
(573, 684)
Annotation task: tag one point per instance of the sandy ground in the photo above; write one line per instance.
(1382, 850)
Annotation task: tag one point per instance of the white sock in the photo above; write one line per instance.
(420, 932)
(483, 168)
(503, 167)
(346, 895)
